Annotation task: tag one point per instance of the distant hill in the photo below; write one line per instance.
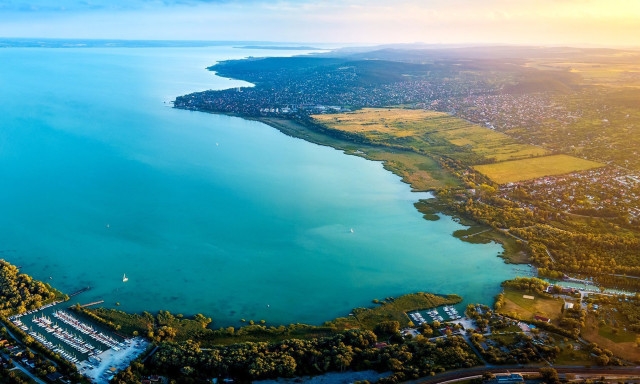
(282, 48)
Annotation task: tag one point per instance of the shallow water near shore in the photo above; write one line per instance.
(203, 213)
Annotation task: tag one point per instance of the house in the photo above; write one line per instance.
(541, 318)
(568, 305)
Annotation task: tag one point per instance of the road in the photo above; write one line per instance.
(473, 348)
(453, 376)
(19, 366)
(549, 254)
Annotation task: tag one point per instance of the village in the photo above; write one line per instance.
(538, 323)
(607, 192)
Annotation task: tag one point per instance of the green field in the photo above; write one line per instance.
(619, 336)
(527, 169)
(429, 132)
(571, 352)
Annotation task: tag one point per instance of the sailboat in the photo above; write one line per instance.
(125, 278)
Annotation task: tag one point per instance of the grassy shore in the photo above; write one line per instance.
(392, 309)
(165, 326)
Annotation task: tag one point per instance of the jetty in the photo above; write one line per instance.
(90, 304)
(80, 291)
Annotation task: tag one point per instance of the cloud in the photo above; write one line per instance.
(604, 22)
(101, 5)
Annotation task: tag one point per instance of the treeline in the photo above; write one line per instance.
(354, 350)
(526, 284)
(587, 253)
(19, 292)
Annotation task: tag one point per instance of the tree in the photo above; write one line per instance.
(487, 376)
(549, 375)
(387, 328)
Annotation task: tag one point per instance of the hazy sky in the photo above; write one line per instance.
(576, 22)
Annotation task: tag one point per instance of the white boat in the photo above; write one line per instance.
(125, 278)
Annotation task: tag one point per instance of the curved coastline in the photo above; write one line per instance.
(351, 264)
(431, 211)
(429, 206)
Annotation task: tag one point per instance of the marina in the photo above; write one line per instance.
(97, 352)
(431, 315)
(74, 339)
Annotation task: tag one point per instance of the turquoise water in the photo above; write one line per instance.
(204, 213)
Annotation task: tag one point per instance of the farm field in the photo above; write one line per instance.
(430, 132)
(526, 169)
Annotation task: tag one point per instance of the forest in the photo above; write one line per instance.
(20, 292)
(355, 350)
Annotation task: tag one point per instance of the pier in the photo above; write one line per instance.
(90, 304)
(80, 291)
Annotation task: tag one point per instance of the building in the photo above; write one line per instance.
(542, 318)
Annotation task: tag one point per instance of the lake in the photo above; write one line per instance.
(203, 213)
